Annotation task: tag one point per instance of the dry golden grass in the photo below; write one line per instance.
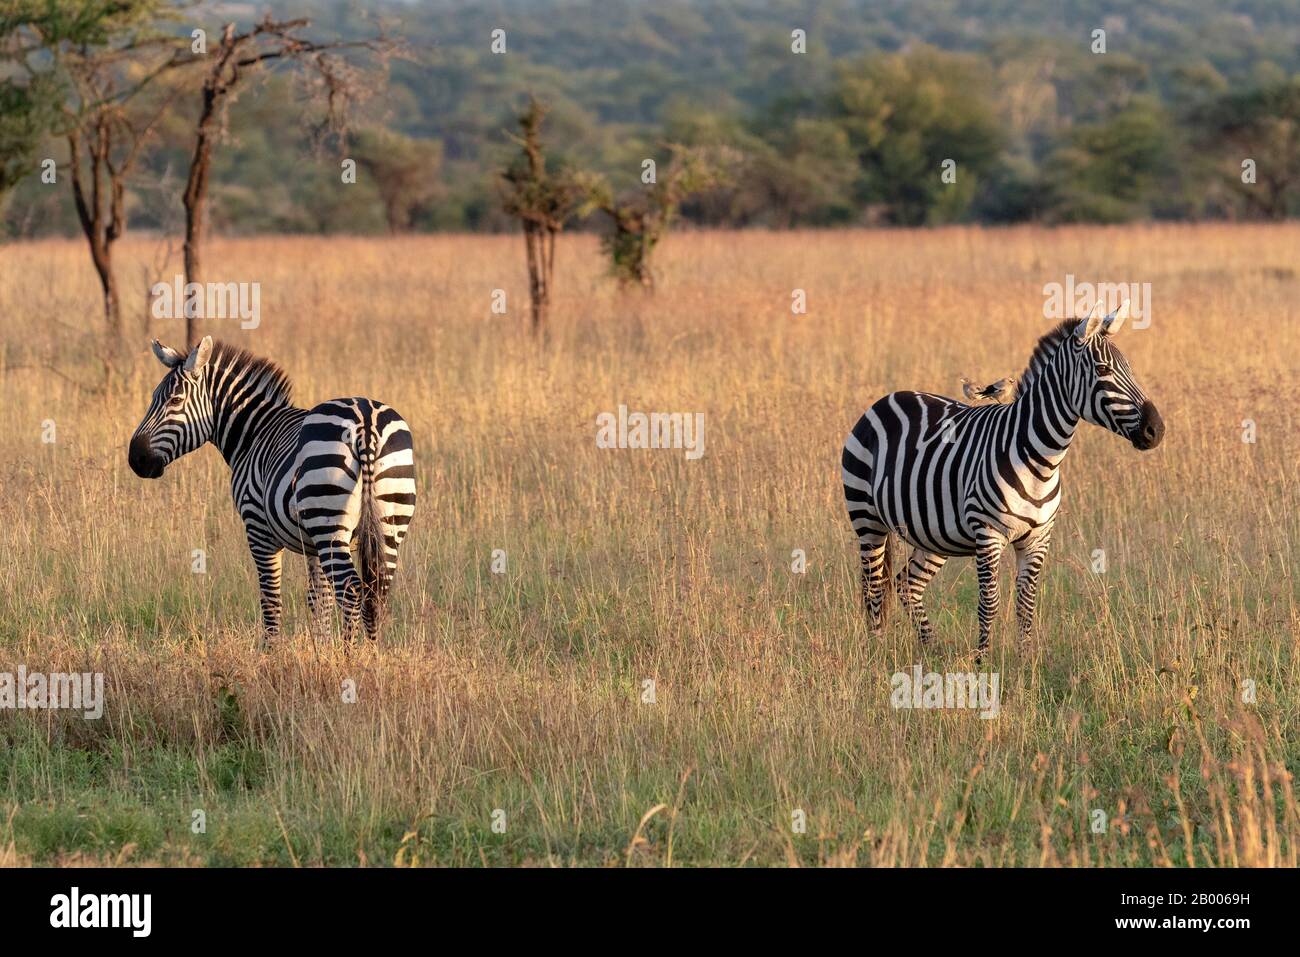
(522, 692)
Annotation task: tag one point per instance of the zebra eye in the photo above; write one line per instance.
(1103, 369)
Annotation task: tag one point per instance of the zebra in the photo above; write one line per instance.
(314, 482)
(952, 479)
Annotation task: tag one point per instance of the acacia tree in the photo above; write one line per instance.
(237, 60)
(543, 202)
(99, 63)
(103, 150)
(640, 220)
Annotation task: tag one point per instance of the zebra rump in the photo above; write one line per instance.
(354, 469)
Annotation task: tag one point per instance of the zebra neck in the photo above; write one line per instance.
(240, 416)
(1044, 420)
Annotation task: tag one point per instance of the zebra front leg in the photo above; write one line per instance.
(989, 546)
(318, 598)
(268, 584)
(911, 584)
(1029, 564)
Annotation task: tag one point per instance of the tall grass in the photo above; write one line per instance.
(523, 692)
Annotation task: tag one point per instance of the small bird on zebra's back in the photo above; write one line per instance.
(317, 482)
(998, 391)
(953, 479)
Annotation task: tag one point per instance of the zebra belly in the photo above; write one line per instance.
(939, 532)
(1023, 524)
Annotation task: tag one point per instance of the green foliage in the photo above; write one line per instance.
(405, 171)
(78, 23)
(1109, 171)
(905, 115)
(640, 219)
(1262, 125)
(26, 113)
(852, 131)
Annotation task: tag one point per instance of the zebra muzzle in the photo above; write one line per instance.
(142, 459)
(1150, 430)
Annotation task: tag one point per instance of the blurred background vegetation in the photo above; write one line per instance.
(854, 131)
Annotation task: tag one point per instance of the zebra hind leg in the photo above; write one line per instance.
(913, 578)
(336, 565)
(873, 550)
(376, 560)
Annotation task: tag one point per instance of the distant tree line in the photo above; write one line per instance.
(924, 112)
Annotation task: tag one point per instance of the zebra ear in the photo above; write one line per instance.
(168, 357)
(1088, 327)
(199, 357)
(1116, 319)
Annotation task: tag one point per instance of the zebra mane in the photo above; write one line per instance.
(239, 362)
(1044, 351)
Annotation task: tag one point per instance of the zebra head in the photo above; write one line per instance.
(1111, 397)
(179, 419)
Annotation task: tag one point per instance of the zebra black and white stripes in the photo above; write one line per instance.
(953, 480)
(316, 482)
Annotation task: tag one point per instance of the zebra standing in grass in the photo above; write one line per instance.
(316, 482)
(953, 479)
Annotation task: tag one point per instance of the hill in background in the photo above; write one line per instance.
(854, 130)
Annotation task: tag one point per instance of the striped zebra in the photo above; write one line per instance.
(316, 482)
(952, 479)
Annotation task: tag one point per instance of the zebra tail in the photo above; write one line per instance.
(370, 532)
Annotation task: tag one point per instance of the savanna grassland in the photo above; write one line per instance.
(523, 691)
